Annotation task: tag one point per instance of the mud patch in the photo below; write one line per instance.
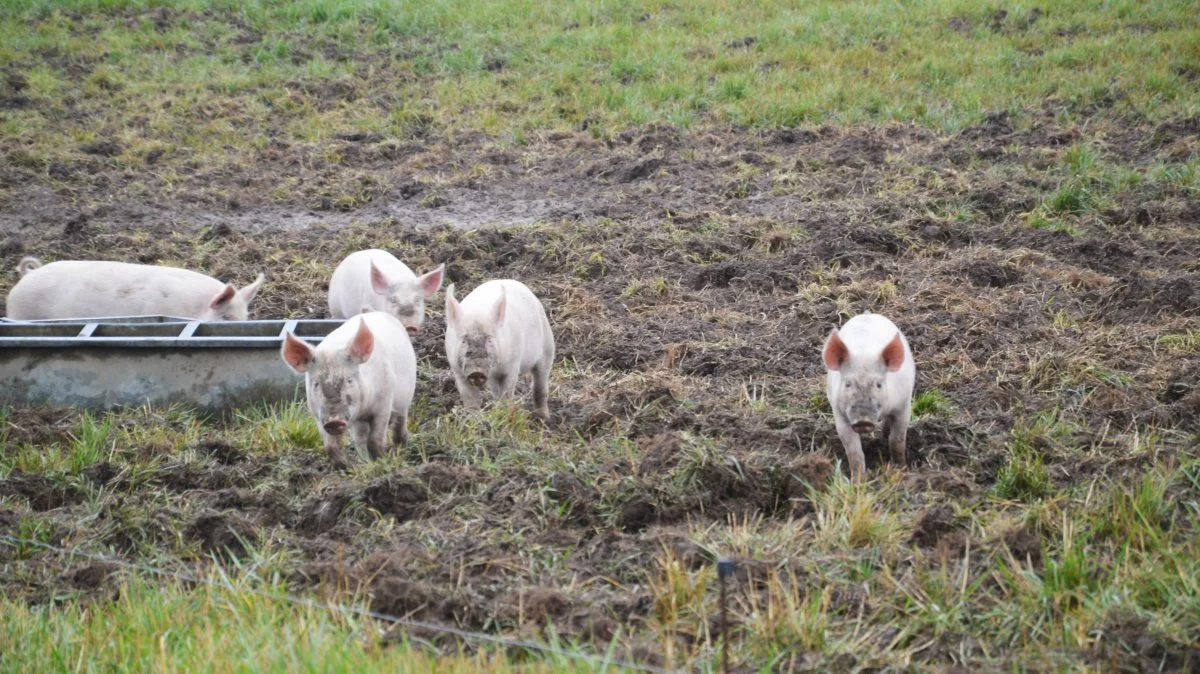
(933, 526)
(223, 534)
(42, 493)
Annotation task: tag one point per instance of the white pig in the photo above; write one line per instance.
(93, 288)
(869, 384)
(374, 280)
(496, 334)
(361, 377)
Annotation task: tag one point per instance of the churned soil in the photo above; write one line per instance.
(691, 277)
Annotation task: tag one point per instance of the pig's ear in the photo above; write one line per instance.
(297, 353)
(430, 283)
(222, 298)
(893, 354)
(363, 343)
(251, 290)
(836, 352)
(500, 309)
(451, 306)
(379, 282)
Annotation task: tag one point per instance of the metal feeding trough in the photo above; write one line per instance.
(101, 363)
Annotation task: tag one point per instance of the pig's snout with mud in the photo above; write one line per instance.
(475, 358)
(869, 383)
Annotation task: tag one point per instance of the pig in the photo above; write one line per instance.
(498, 333)
(869, 382)
(374, 280)
(361, 377)
(93, 288)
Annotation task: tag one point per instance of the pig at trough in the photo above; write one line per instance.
(361, 379)
(374, 280)
(496, 334)
(94, 289)
(869, 384)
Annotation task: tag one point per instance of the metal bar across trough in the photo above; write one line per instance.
(101, 363)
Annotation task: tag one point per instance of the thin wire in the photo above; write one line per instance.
(312, 603)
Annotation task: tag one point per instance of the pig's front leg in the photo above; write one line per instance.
(898, 436)
(502, 384)
(853, 445)
(472, 399)
(333, 446)
(377, 435)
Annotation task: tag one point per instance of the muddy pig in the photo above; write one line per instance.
(869, 384)
(360, 378)
(374, 280)
(92, 288)
(498, 333)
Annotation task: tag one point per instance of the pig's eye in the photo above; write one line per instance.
(879, 385)
(847, 384)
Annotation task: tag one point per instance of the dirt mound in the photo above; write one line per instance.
(41, 492)
(224, 534)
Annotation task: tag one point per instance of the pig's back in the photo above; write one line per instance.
(538, 338)
(395, 352)
(89, 288)
(350, 286)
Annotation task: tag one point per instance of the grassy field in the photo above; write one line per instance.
(206, 80)
(155, 628)
(708, 189)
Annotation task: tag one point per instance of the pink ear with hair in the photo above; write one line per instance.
(227, 293)
(500, 309)
(431, 282)
(297, 353)
(893, 354)
(379, 282)
(363, 343)
(836, 352)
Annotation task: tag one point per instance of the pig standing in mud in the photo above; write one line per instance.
(92, 288)
(374, 280)
(361, 377)
(869, 384)
(496, 334)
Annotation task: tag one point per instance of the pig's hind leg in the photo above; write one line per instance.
(541, 391)
(400, 428)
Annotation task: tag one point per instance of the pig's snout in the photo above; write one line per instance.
(863, 426)
(412, 330)
(335, 427)
(477, 379)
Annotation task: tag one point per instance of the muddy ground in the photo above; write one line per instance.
(691, 277)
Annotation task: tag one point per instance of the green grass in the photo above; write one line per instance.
(211, 75)
(930, 403)
(224, 628)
